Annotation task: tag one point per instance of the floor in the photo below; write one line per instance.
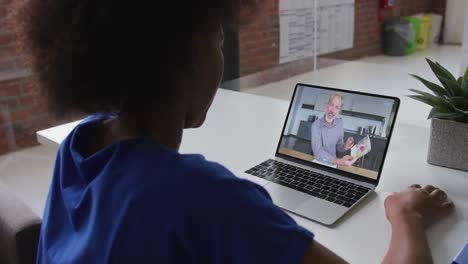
(28, 172)
(399, 67)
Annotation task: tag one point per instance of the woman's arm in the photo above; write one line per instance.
(408, 243)
(409, 212)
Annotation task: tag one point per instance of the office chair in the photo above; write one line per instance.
(19, 229)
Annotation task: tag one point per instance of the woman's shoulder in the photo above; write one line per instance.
(195, 175)
(190, 173)
(197, 164)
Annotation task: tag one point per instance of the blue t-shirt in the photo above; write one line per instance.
(136, 201)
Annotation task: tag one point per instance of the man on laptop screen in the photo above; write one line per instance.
(327, 135)
(324, 127)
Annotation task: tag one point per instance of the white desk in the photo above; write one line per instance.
(242, 130)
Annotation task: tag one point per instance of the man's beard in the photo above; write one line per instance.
(329, 119)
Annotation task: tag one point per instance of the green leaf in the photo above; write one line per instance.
(459, 102)
(464, 84)
(449, 116)
(439, 110)
(451, 86)
(447, 73)
(433, 98)
(428, 95)
(430, 100)
(435, 88)
(459, 111)
(440, 70)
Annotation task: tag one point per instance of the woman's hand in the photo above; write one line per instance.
(425, 205)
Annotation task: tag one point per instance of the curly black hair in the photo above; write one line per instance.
(113, 55)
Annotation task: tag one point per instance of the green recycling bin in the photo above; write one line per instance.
(415, 25)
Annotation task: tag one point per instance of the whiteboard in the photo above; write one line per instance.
(333, 20)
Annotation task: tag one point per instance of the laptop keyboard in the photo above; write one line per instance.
(318, 185)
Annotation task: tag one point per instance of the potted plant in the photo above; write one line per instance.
(448, 144)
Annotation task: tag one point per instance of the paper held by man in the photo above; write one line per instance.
(361, 148)
(357, 151)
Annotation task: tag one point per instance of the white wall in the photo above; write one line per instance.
(464, 60)
(454, 19)
(352, 102)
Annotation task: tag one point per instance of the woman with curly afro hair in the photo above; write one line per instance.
(143, 71)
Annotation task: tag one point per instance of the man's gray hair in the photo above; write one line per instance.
(339, 95)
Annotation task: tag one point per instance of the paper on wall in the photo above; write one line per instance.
(307, 27)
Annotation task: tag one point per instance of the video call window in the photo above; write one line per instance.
(343, 130)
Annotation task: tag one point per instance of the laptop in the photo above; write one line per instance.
(325, 164)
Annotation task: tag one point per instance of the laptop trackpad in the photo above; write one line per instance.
(286, 198)
(305, 205)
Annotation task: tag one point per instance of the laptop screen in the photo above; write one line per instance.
(344, 130)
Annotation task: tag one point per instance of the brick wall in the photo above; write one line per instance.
(9, 59)
(439, 6)
(259, 41)
(22, 109)
(22, 113)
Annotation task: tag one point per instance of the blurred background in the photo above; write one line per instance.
(348, 44)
